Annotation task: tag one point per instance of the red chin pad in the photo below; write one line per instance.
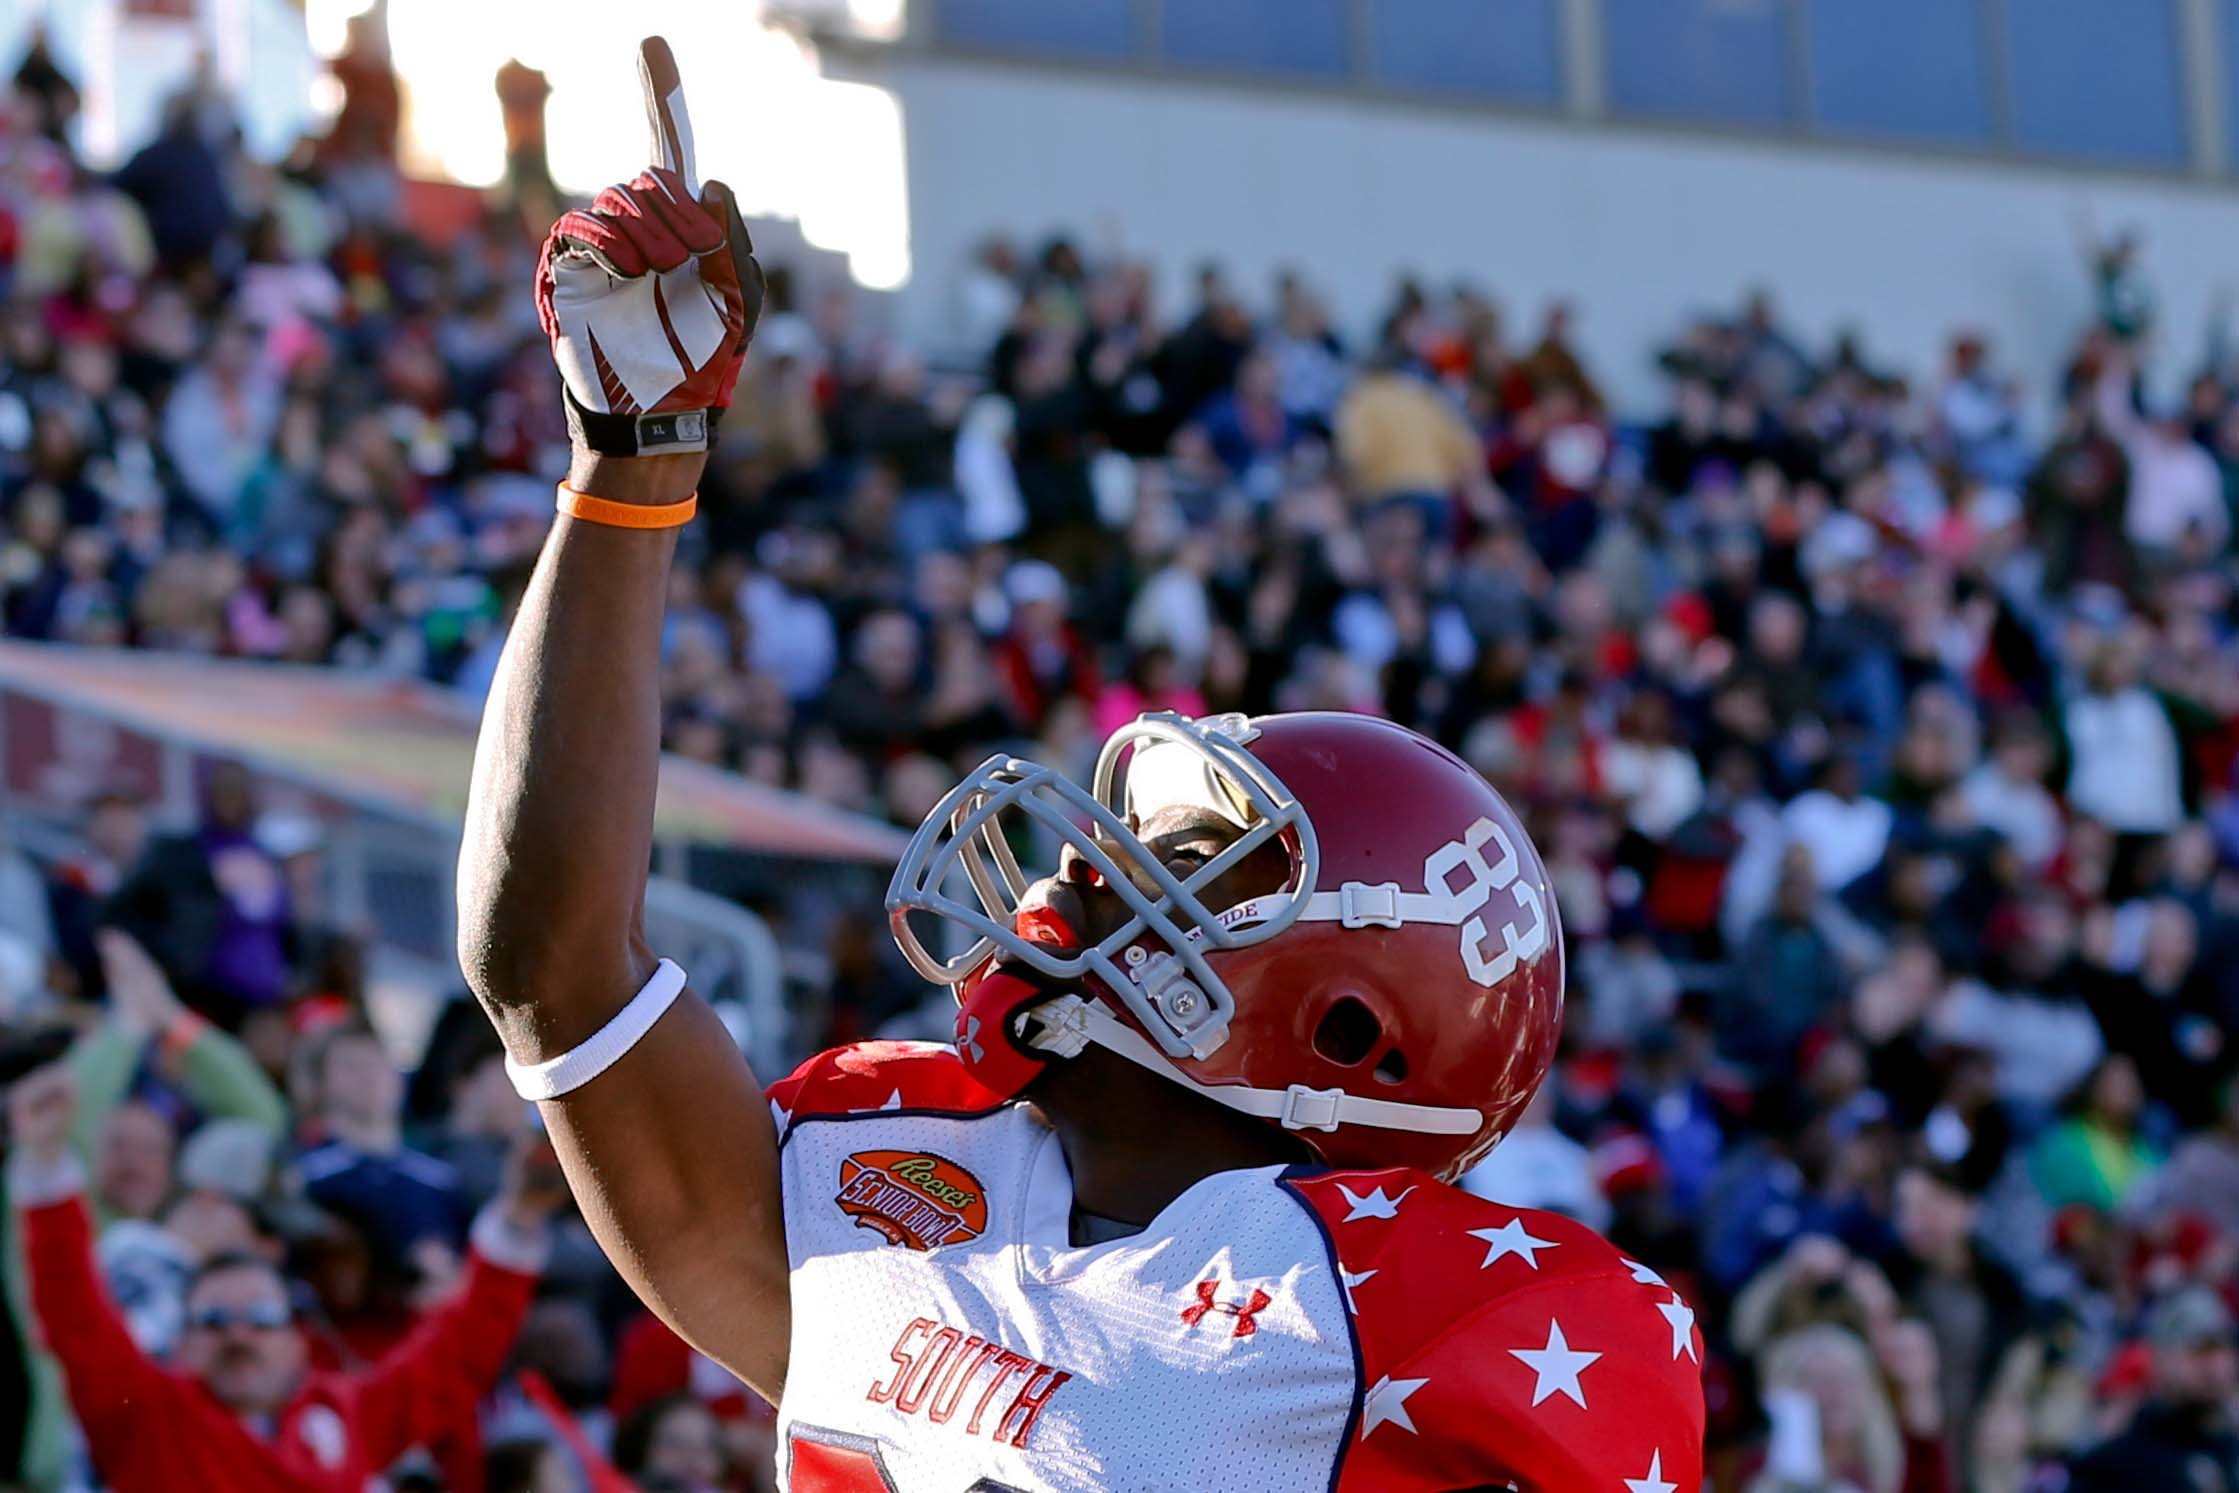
(986, 1011)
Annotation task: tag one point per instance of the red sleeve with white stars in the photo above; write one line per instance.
(1505, 1347)
(870, 1076)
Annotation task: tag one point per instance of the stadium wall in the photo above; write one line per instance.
(1638, 226)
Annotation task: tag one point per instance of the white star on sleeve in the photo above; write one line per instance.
(1349, 1279)
(1643, 1274)
(893, 1102)
(1387, 1401)
(1654, 1482)
(1374, 1205)
(1681, 1316)
(781, 1114)
(1512, 1238)
(1558, 1366)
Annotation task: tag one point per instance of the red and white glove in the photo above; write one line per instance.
(650, 296)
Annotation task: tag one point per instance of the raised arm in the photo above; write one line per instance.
(649, 299)
(456, 1352)
(217, 1072)
(109, 1380)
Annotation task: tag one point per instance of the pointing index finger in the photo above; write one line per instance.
(670, 127)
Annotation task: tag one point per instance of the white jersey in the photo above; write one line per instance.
(948, 1336)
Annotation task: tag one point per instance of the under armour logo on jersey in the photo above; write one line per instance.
(1208, 1292)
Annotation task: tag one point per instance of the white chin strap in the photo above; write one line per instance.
(1063, 1027)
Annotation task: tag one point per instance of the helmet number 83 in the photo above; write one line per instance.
(1488, 966)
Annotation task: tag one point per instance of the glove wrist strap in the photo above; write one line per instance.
(668, 433)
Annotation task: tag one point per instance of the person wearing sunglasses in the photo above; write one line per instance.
(238, 1406)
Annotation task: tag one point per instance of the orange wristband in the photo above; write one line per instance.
(182, 1034)
(626, 515)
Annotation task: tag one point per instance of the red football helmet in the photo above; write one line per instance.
(1395, 1002)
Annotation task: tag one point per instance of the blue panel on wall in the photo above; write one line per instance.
(1718, 61)
(1501, 49)
(1900, 69)
(1281, 36)
(1091, 28)
(2098, 80)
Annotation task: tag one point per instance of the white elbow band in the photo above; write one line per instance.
(572, 1069)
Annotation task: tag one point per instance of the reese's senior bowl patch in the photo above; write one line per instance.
(913, 1198)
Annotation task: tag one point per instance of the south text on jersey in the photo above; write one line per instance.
(937, 1370)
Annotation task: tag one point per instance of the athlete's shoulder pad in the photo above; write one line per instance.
(1503, 1344)
(870, 1077)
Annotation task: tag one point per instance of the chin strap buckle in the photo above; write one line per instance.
(1363, 904)
(1178, 1001)
(1310, 1109)
(1059, 1028)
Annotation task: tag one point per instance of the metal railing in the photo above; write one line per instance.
(387, 870)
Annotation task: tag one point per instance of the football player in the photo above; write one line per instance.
(1173, 1212)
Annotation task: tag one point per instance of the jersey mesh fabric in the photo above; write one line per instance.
(1270, 1330)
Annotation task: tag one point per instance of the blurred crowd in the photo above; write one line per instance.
(1879, 730)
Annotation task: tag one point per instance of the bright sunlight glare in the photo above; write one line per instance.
(791, 143)
(327, 23)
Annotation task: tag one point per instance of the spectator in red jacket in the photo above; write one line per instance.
(239, 1407)
(654, 1370)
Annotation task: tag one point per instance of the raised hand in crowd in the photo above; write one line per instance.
(41, 1108)
(140, 993)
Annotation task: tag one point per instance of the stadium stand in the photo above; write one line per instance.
(1882, 751)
